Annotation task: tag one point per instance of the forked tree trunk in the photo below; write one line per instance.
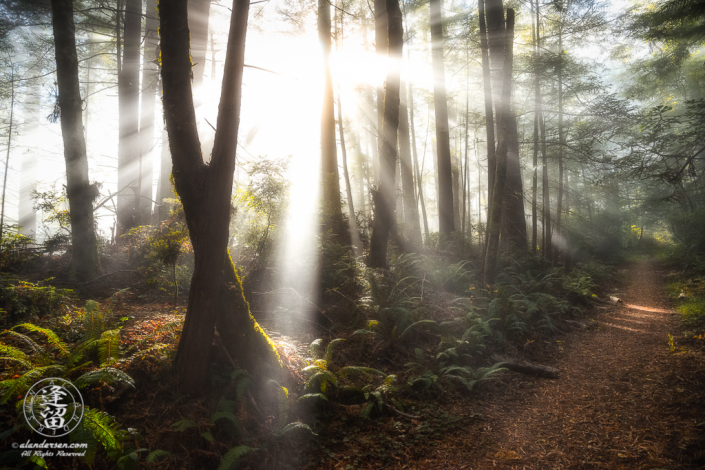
(198, 15)
(85, 263)
(495, 220)
(205, 191)
(384, 200)
(446, 222)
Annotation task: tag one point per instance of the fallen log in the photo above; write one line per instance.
(527, 368)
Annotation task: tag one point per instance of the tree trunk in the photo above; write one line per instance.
(495, 220)
(489, 117)
(384, 199)
(546, 199)
(346, 175)
(412, 227)
(446, 223)
(514, 218)
(28, 173)
(205, 191)
(150, 76)
(535, 177)
(84, 247)
(415, 153)
(381, 47)
(129, 205)
(559, 202)
(332, 209)
(9, 146)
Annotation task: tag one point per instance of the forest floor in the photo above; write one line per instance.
(625, 399)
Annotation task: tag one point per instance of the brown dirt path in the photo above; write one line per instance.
(624, 400)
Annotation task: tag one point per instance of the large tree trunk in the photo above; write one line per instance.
(514, 218)
(489, 116)
(494, 222)
(28, 173)
(332, 209)
(546, 202)
(150, 76)
(381, 47)
(205, 191)
(84, 253)
(384, 201)
(561, 145)
(535, 178)
(129, 204)
(446, 223)
(412, 227)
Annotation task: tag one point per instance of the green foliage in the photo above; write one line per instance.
(469, 377)
(22, 299)
(13, 253)
(232, 458)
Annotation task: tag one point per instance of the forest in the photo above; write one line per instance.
(347, 234)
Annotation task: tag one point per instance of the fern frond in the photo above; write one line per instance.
(83, 434)
(282, 401)
(421, 323)
(292, 427)
(54, 340)
(22, 362)
(109, 346)
(310, 396)
(155, 455)
(233, 456)
(184, 424)
(315, 348)
(332, 346)
(25, 339)
(106, 374)
(10, 352)
(104, 429)
(19, 385)
(92, 320)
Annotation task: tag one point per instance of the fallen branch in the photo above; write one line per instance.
(527, 368)
(400, 413)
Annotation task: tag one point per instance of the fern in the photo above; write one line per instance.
(332, 346)
(232, 458)
(410, 328)
(54, 340)
(155, 455)
(106, 375)
(19, 385)
(310, 396)
(315, 348)
(345, 371)
(92, 320)
(282, 402)
(292, 427)
(109, 346)
(184, 424)
(104, 429)
(25, 339)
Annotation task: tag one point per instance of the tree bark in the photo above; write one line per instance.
(446, 223)
(514, 218)
(495, 220)
(150, 77)
(419, 181)
(129, 211)
(381, 47)
(535, 177)
(546, 197)
(411, 209)
(489, 116)
(205, 191)
(384, 201)
(85, 263)
(561, 143)
(332, 209)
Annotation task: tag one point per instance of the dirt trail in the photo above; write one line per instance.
(624, 400)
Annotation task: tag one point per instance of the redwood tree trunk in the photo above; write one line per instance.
(445, 177)
(84, 256)
(489, 116)
(150, 76)
(384, 200)
(129, 212)
(332, 209)
(205, 191)
(494, 222)
(411, 209)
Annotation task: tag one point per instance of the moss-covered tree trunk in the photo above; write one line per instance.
(205, 191)
(84, 256)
